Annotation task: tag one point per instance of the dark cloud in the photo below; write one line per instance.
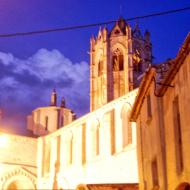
(27, 84)
(6, 70)
(25, 77)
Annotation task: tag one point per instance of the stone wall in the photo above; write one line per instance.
(91, 150)
(18, 166)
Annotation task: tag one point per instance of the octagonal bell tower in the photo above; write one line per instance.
(118, 59)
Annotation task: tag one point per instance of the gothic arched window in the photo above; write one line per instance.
(117, 60)
(46, 123)
(100, 68)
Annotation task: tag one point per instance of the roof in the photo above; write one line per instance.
(151, 75)
(121, 186)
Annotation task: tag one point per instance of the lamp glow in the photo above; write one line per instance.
(4, 141)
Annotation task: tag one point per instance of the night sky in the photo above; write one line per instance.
(31, 66)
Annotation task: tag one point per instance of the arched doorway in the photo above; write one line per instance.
(18, 179)
(17, 185)
(183, 186)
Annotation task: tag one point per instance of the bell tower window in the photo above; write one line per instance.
(137, 61)
(117, 61)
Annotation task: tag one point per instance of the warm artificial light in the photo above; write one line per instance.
(4, 140)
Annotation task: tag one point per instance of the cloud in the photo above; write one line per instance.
(26, 84)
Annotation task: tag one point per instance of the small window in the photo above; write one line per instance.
(95, 140)
(116, 32)
(71, 151)
(62, 121)
(83, 143)
(155, 180)
(100, 68)
(177, 136)
(137, 61)
(47, 158)
(149, 108)
(46, 123)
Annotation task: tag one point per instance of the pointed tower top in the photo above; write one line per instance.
(99, 33)
(53, 98)
(119, 27)
(147, 35)
(136, 31)
(63, 103)
(122, 23)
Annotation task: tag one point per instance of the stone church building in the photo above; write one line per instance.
(131, 139)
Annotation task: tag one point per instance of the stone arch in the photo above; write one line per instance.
(126, 124)
(119, 46)
(19, 179)
(118, 58)
(183, 186)
(95, 136)
(99, 63)
(63, 182)
(70, 147)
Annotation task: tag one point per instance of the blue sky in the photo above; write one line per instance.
(31, 66)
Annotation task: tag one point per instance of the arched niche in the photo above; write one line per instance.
(70, 147)
(100, 67)
(95, 136)
(126, 125)
(99, 63)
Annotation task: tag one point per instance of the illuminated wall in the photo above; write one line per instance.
(161, 112)
(18, 167)
(48, 119)
(97, 148)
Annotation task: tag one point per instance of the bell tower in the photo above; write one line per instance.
(117, 61)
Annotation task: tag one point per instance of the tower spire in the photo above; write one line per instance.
(63, 104)
(53, 98)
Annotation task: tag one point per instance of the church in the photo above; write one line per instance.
(135, 136)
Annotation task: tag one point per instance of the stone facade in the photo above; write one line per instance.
(161, 112)
(18, 162)
(100, 150)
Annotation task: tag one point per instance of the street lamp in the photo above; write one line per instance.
(4, 141)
